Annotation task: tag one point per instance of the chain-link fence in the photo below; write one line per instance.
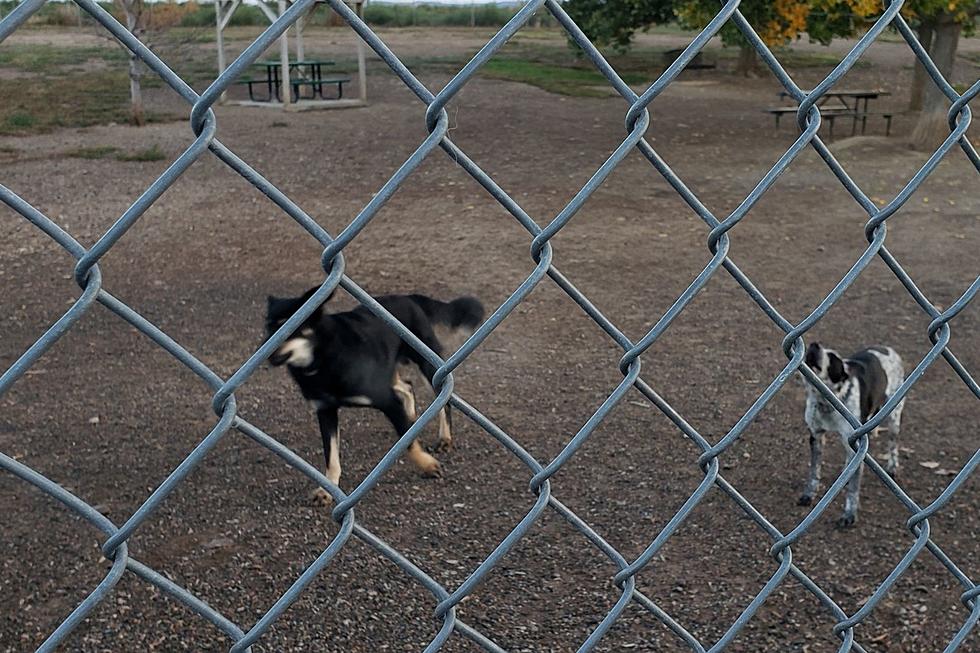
(637, 120)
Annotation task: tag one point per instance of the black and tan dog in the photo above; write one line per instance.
(351, 359)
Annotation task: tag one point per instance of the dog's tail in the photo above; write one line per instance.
(462, 314)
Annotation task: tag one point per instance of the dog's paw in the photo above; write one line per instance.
(804, 500)
(431, 469)
(846, 520)
(442, 446)
(321, 497)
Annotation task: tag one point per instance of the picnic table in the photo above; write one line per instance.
(841, 103)
(308, 72)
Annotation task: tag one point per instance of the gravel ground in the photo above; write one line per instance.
(108, 415)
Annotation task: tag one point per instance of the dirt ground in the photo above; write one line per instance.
(241, 528)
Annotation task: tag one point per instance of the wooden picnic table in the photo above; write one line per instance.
(851, 103)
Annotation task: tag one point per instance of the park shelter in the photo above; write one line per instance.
(225, 9)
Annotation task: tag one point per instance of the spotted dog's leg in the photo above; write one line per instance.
(893, 424)
(853, 496)
(813, 478)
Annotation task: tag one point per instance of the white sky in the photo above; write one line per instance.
(448, 2)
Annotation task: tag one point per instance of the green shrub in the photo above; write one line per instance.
(244, 15)
(98, 152)
(427, 15)
(153, 153)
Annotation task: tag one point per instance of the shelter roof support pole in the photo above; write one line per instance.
(300, 50)
(361, 64)
(264, 8)
(223, 10)
(220, 39)
(284, 60)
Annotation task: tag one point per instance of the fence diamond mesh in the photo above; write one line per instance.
(637, 120)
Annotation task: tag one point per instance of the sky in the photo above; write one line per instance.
(449, 2)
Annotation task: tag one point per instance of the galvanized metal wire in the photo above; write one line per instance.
(637, 121)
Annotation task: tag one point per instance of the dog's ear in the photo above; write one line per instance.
(312, 291)
(309, 293)
(813, 355)
(835, 368)
(318, 311)
(270, 300)
(853, 367)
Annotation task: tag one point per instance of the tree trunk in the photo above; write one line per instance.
(748, 61)
(133, 10)
(931, 128)
(919, 75)
(136, 115)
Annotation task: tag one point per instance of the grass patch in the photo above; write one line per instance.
(99, 152)
(34, 58)
(563, 80)
(19, 120)
(556, 68)
(972, 57)
(68, 87)
(203, 34)
(792, 58)
(79, 100)
(59, 97)
(153, 153)
(82, 100)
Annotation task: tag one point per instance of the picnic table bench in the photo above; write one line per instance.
(842, 103)
(699, 62)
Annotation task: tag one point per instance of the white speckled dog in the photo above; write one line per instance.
(863, 383)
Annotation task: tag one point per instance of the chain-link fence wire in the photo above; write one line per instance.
(637, 120)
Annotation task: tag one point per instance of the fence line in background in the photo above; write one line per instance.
(204, 125)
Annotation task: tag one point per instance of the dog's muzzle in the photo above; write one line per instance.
(278, 357)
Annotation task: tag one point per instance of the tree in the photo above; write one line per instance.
(613, 22)
(782, 21)
(144, 20)
(939, 24)
(133, 11)
(778, 22)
